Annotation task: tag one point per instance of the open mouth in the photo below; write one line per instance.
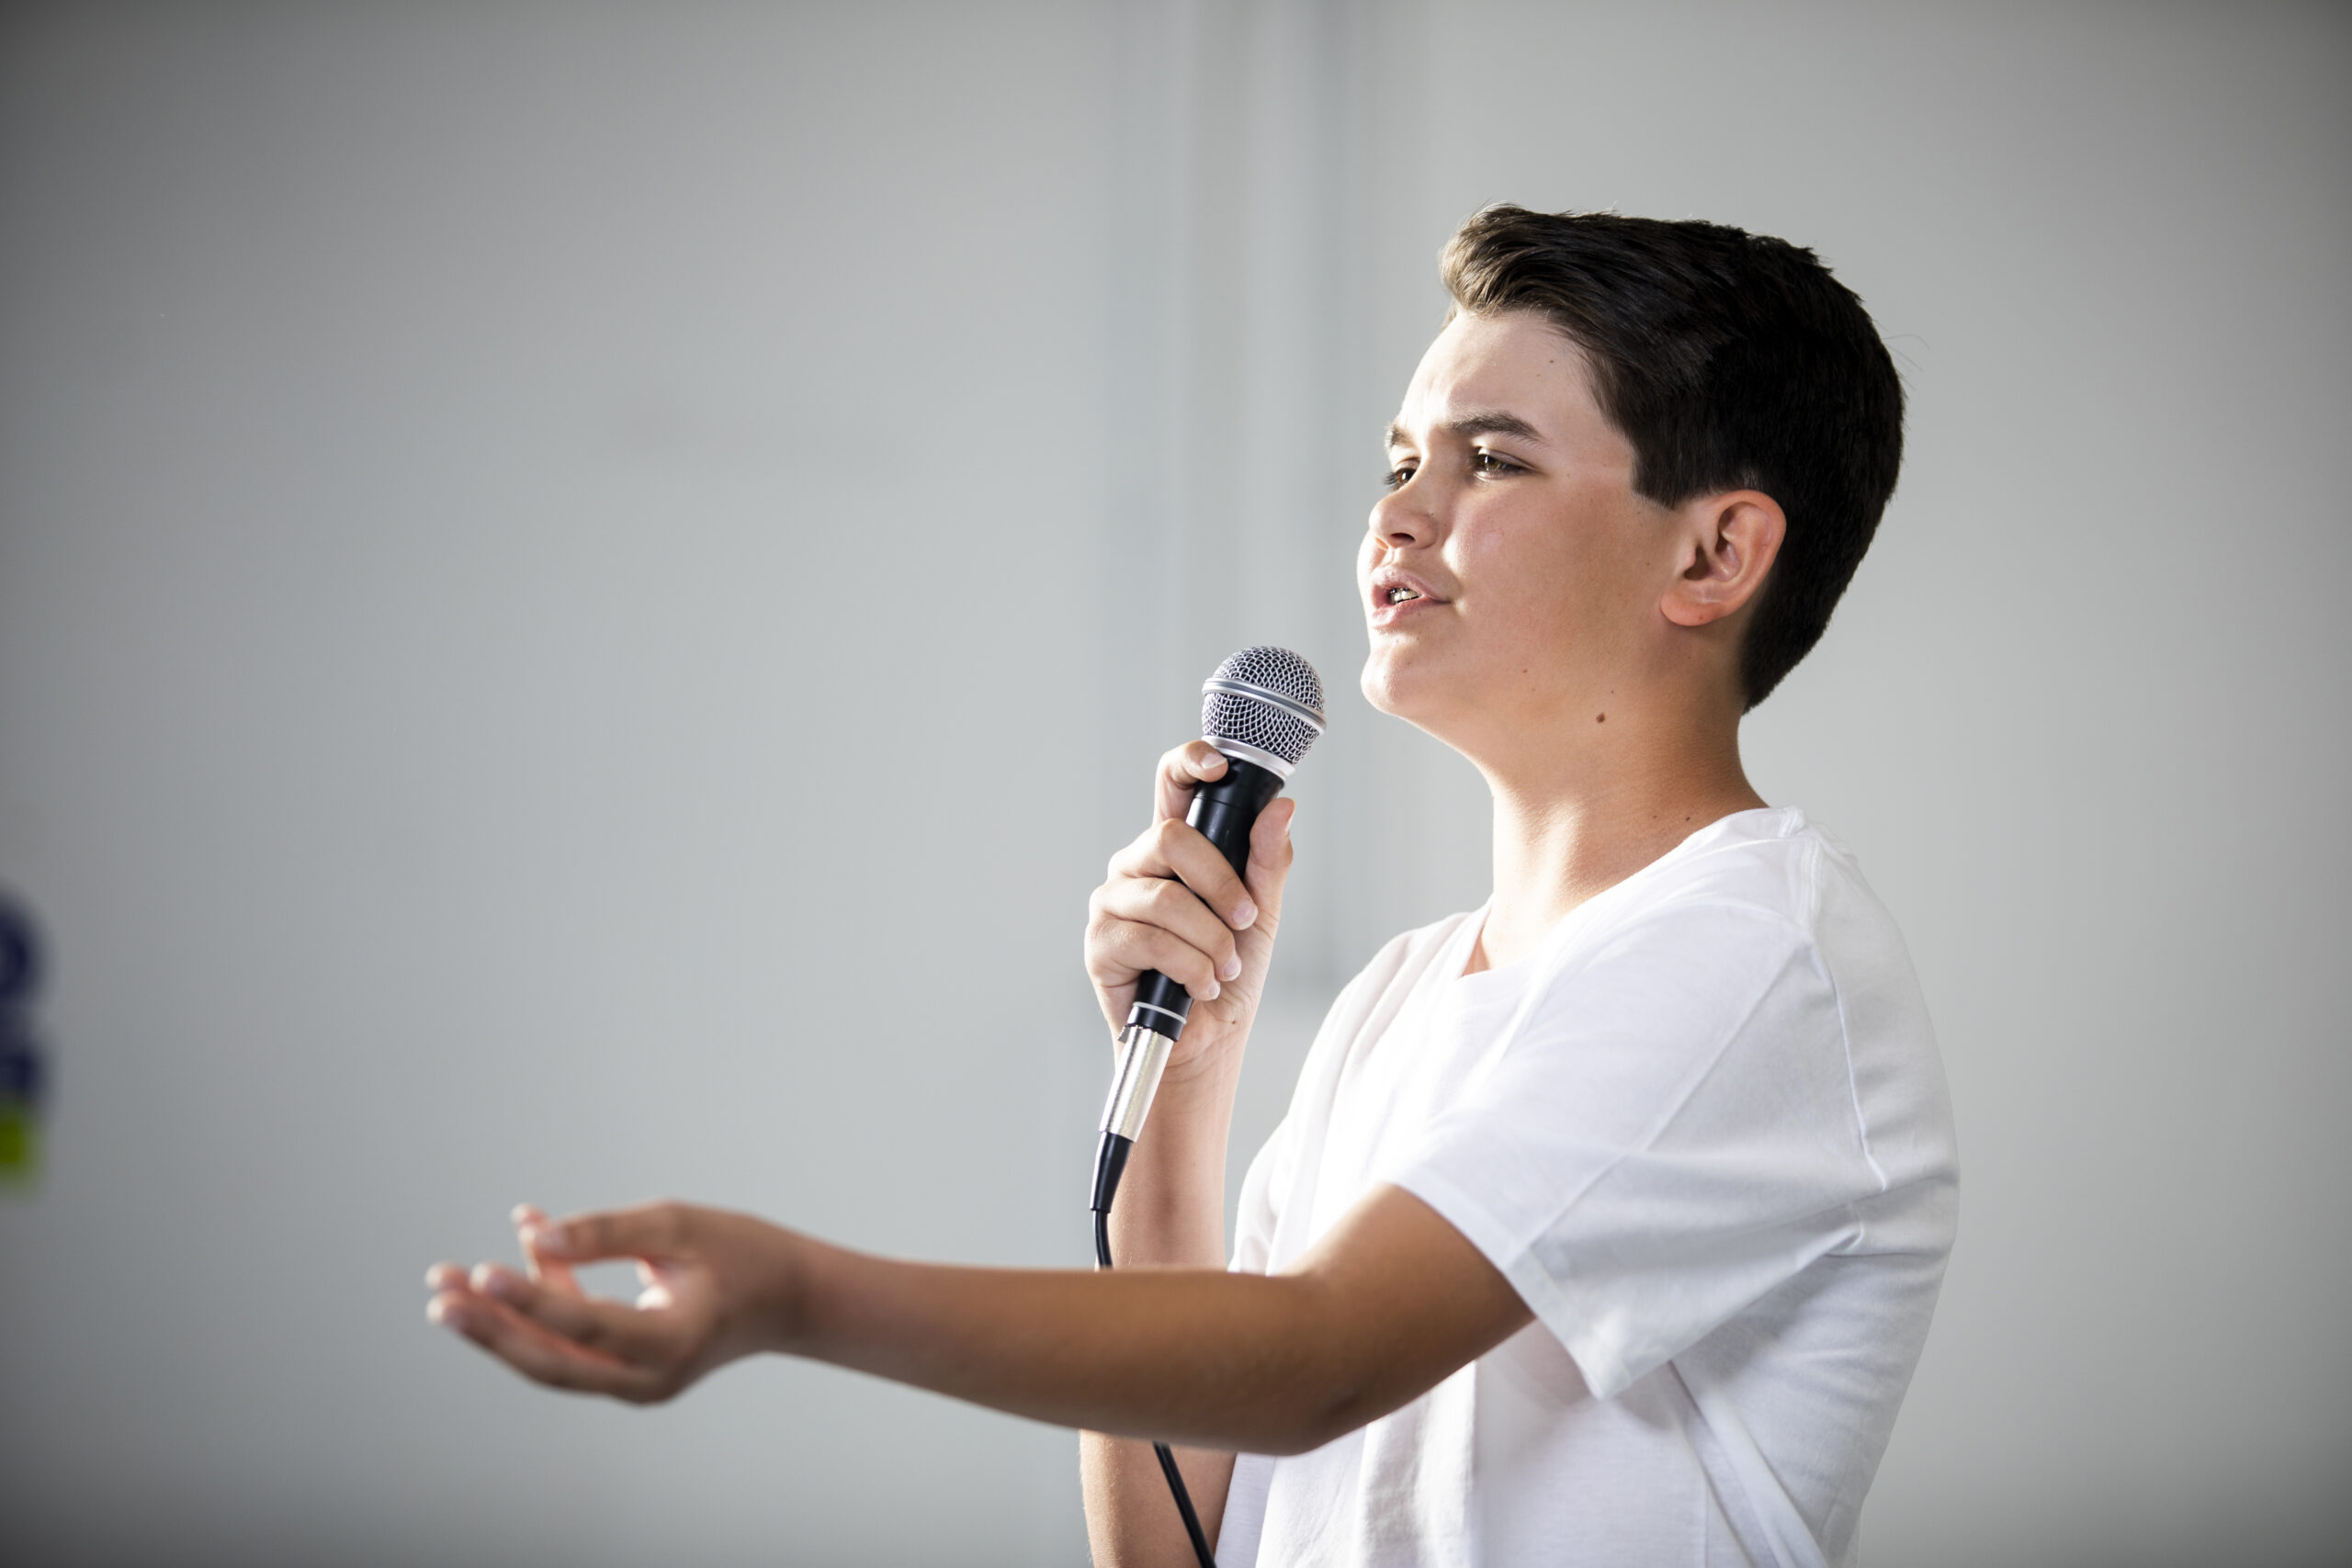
(1392, 590)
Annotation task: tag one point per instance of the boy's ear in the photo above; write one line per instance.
(1728, 542)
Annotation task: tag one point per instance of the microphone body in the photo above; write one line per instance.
(1263, 707)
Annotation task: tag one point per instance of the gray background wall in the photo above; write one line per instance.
(534, 542)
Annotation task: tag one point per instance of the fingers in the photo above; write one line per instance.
(616, 1329)
(1174, 904)
(555, 1335)
(1195, 762)
(551, 1331)
(1121, 950)
(541, 1355)
(1175, 849)
(1143, 921)
(650, 1231)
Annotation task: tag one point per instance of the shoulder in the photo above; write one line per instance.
(1758, 934)
(1777, 905)
(1790, 884)
(1765, 861)
(1773, 871)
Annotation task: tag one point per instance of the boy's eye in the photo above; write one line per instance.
(1397, 476)
(1493, 463)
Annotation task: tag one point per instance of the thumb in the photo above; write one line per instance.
(1270, 856)
(531, 1222)
(651, 1230)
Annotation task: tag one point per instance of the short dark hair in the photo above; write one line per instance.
(1732, 361)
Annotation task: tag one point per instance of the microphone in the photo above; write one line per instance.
(1262, 708)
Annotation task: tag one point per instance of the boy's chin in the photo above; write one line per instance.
(1401, 685)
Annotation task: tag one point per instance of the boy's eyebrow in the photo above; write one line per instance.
(1475, 422)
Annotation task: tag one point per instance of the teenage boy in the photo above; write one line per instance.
(1607, 1219)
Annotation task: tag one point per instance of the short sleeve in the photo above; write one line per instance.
(1666, 1132)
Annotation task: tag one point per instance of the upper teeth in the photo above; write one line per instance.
(1399, 595)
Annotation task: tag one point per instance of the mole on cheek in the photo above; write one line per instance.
(1600, 718)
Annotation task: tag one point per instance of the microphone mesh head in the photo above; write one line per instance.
(1278, 708)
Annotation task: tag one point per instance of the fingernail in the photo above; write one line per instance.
(1213, 989)
(1244, 914)
(1230, 969)
(548, 1239)
(519, 1214)
(506, 1287)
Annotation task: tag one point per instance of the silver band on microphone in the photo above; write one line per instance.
(1308, 716)
(1278, 766)
(1168, 1013)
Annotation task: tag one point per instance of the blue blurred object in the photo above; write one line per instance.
(21, 1072)
(23, 1075)
(19, 954)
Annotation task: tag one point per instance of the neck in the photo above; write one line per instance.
(1576, 813)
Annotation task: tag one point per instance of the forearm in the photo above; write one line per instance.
(1170, 1207)
(1170, 1212)
(1233, 1361)
(1387, 1302)
(1131, 1518)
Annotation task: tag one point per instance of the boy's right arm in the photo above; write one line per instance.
(1391, 1300)
(1215, 935)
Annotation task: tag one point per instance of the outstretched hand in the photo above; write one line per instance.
(717, 1286)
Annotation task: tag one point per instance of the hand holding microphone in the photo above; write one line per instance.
(1260, 712)
(1172, 904)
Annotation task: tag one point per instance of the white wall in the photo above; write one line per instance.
(530, 539)
(570, 578)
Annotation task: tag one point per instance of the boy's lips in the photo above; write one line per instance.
(1395, 594)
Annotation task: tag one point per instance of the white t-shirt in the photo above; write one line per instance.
(1703, 1129)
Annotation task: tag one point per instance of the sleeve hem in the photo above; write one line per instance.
(1605, 1372)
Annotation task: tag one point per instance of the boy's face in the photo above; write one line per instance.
(1512, 577)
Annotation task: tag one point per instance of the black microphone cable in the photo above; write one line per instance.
(1262, 708)
(1110, 1162)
